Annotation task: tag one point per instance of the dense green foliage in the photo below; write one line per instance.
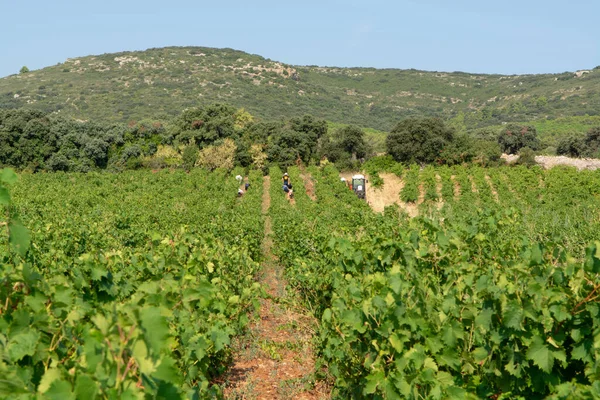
(484, 298)
(526, 157)
(431, 140)
(514, 137)
(571, 146)
(34, 140)
(576, 146)
(16, 234)
(592, 141)
(133, 285)
(37, 141)
(138, 85)
(204, 125)
(419, 140)
(410, 191)
(345, 147)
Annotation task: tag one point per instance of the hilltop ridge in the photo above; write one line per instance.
(141, 84)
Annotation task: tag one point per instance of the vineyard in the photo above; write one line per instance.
(136, 284)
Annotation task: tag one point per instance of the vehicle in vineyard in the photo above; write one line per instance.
(359, 186)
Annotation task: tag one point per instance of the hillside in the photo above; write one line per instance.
(141, 84)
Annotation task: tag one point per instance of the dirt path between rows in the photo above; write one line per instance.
(456, 187)
(275, 360)
(309, 184)
(492, 188)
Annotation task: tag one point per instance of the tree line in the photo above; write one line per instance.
(221, 136)
(431, 140)
(212, 136)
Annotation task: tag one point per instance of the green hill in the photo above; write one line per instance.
(135, 85)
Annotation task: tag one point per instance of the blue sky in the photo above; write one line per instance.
(512, 37)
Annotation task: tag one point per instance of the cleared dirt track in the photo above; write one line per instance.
(275, 359)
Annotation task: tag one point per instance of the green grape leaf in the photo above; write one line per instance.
(326, 315)
(220, 339)
(536, 255)
(480, 354)
(445, 379)
(85, 387)
(450, 358)
(156, 329)
(512, 316)
(373, 380)
(456, 393)
(396, 343)
(23, 344)
(19, 237)
(132, 393)
(167, 370)
(60, 390)
(484, 319)
(102, 323)
(541, 356)
(50, 376)
(98, 272)
(4, 196)
(582, 351)
(140, 353)
(8, 176)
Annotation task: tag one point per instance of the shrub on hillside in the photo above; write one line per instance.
(487, 134)
(460, 150)
(352, 140)
(213, 157)
(526, 157)
(259, 157)
(486, 153)
(190, 156)
(287, 146)
(571, 146)
(346, 147)
(204, 125)
(515, 137)
(419, 140)
(592, 142)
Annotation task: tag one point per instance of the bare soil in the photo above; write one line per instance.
(421, 198)
(579, 163)
(275, 360)
(456, 187)
(492, 188)
(309, 184)
(386, 195)
(291, 200)
(473, 186)
(548, 162)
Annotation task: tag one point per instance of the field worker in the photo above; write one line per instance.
(240, 192)
(287, 185)
(246, 186)
(239, 178)
(286, 180)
